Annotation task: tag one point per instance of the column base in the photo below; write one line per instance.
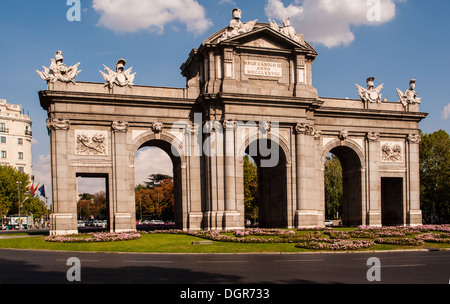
(373, 219)
(309, 219)
(414, 218)
(63, 224)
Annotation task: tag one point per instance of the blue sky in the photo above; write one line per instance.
(410, 41)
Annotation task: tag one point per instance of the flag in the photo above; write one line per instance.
(42, 190)
(33, 189)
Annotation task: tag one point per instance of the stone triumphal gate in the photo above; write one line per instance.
(249, 90)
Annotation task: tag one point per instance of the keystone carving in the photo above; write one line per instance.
(343, 134)
(157, 127)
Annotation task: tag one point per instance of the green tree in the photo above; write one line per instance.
(9, 189)
(155, 179)
(435, 175)
(334, 194)
(251, 201)
(35, 206)
(157, 198)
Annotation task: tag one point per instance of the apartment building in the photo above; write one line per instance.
(15, 137)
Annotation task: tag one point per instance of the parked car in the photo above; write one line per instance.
(328, 223)
(81, 224)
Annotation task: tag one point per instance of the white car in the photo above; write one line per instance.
(328, 223)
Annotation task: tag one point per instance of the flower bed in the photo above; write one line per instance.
(434, 238)
(94, 238)
(338, 240)
(335, 246)
(400, 241)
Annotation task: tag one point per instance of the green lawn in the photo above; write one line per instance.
(170, 243)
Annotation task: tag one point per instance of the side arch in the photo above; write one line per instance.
(352, 159)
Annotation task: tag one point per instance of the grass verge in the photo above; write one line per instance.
(171, 243)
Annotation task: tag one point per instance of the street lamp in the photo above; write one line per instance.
(18, 192)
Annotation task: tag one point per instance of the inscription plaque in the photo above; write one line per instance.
(263, 68)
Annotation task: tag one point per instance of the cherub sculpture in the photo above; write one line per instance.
(119, 77)
(58, 71)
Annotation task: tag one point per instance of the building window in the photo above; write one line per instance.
(2, 127)
(2, 140)
(4, 155)
(21, 169)
(20, 141)
(20, 155)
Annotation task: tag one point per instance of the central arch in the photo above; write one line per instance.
(170, 145)
(274, 174)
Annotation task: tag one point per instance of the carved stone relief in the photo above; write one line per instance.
(91, 142)
(58, 124)
(392, 152)
(265, 126)
(343, 134)
(372, 136)
(157, 127)
(414, 138)
(120, 126)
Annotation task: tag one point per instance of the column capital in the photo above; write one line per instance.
(120, 127)
(58, 124)
(414, 138)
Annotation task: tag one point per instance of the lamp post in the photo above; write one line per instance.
(18, 193)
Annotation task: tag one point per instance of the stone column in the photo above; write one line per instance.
(122, 206)
(373, 180)
(231, 215)
(413, 212)
(306, 214)
(64, 216)
(193, 150)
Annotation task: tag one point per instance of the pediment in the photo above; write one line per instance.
(264, 37)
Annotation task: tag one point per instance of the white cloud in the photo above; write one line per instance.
(151, 161)
(329, 22)
(446, 112)
(133, 15)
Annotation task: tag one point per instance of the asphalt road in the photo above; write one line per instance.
(44, 267)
